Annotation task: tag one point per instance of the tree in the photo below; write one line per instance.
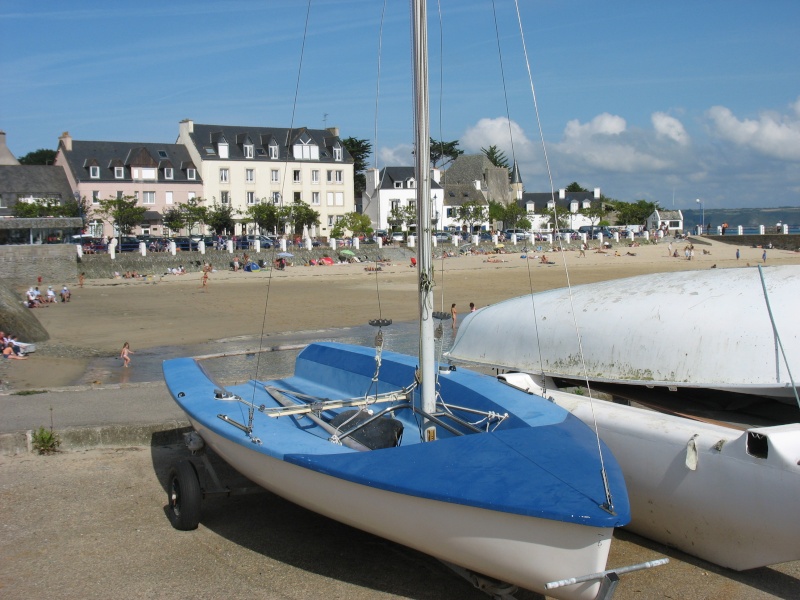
(574, 187)
(441, 150)
(42, 156)
(552, 216)
(360, 150)
(39, 207)
(354, 222)
(77, 206)
(402, 214)
(220, 218)
(594, 212)
(193, 213)
(497, 157)
(633, 213)
(173, 219)
(264, 215)
(123, 213)
(471, 213)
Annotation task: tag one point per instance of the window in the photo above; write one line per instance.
(209, 151)
(296, 176)
(339, 198)
(136, 196)
(191, 195)
(329, 198)
(248, 150)
(223, 197)
(191, 174)
(168, 197)
(315, 176)
(261, 152)
(298, 197)
(339, 176)
(398, 184)
(276, 197)
(119, 172)
(274, 177)
(94, 172)
(149, 198)
(95, 197)
(119, 194)
(273, 151)
(162, 154)
(315, 198)
(330, 220)
(337, 153)
(249, 175)
(330, 177)
(168, 173)
(223, 175)
(222, 148)
(251, 197)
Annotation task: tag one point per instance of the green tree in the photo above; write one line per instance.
(174, 219)
(633, 213)
(552, 216)
(402, 214)
(42, 156)
(355, 223)
(220, 218)
(594, 212)
(194, 213)
(39, 207)
(360, 150)
(497, 157)
(123, 213)
(574, 187)
(444, 152)
(77, 206)
(265, 216)
(472, 213)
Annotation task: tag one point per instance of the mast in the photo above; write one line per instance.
(419, 20)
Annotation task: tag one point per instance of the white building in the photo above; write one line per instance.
(396, 188)
(243, 166)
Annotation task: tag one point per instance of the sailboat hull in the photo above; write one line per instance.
(521, 504)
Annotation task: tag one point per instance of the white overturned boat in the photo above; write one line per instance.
(684, 331)
(727, 496)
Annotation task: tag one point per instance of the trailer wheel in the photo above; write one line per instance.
(184, 496)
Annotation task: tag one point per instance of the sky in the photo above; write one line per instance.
(669, 102)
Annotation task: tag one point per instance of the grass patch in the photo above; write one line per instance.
(46, 441)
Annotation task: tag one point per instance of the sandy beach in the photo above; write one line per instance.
(171, 310)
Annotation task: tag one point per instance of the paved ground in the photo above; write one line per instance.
(90, 523)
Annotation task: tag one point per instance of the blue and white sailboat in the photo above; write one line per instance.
(452, 463)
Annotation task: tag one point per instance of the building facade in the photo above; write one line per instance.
(391, 190)
(244, 166)
(159, 176)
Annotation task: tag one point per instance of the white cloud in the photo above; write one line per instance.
(670, 128)
(495, 132)
(397, 156)
(773, 135)
(604, 124)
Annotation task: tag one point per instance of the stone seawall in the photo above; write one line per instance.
(777, 240)
(100, 266)
(21, 266)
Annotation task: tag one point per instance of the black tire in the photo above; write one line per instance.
(184, 496)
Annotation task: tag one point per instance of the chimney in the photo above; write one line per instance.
(66, 139)
(334, 131)
(6, 157)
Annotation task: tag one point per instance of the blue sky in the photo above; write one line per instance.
(666, 101)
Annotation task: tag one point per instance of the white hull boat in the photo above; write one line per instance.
(686, 331)
(721, 494)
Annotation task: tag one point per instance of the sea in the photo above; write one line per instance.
(241, 358)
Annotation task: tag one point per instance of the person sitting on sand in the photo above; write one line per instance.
(50, 297)
(65, 293)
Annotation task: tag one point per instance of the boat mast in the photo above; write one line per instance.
(419, 19)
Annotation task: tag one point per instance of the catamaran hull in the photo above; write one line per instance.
(720, 494)
(524, 551)
(688, 330)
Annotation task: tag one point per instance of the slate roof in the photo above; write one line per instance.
(390, 175)
(43, 181)
(236, 136)
(108, 155)
(541, 199)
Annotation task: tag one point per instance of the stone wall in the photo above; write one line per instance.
(777, 240)
(21, 266)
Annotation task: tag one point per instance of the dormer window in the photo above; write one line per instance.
(222, 149)
(119, 172)
(191, 174)
(411, 184)
(273, 151)
(209, 150)
(248, 151)
(337, 153)
(94, 172)
(305, 148)
(398, 184)
(168, 173)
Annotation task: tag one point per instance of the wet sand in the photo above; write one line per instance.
(175, 311)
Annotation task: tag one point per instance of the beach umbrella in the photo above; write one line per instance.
(347, 252)
(285, 255)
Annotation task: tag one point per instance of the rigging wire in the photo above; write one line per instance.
(609, 499)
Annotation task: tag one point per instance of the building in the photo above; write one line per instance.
(393, 189)
(242, 166)
(160, 176)
(566, 203)
(474, 179)
(672, 219)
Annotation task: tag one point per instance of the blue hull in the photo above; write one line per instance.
(540, 461)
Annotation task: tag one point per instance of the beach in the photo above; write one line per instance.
(176, 311)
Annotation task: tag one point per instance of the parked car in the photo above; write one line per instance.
(520, 233)
(398, 236)
(127, 243)
(184, 244)
(443, 236)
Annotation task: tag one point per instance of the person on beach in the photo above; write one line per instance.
(453, 314)
(65, 293)
(81, 279)
(764, 256)
(583, 250)
(471, 307)
(8, 352)
(737, 254)
(125, 353)
(204, 277)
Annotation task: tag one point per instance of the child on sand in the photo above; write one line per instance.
(125, 354)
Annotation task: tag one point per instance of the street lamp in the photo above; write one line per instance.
(703, 210)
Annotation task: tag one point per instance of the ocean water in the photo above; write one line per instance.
(250, 357)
